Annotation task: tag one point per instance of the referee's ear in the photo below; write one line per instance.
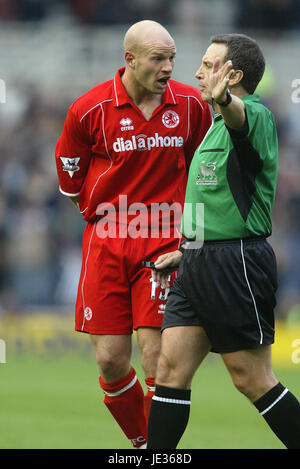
(130, 58)
(236, 78)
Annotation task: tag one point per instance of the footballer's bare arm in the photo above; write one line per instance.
(75, 201)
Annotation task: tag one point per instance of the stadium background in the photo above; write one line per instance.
(50, 53)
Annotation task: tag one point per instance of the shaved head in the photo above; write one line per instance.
(149, 52)
(143, 34)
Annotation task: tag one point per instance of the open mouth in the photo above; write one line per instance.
(163, 81)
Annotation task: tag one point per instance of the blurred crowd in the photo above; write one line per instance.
(261, 14)
(40, 230)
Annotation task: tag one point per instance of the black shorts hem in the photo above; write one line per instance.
(237, 348)
(168, 326)
(221, 349)
(148, 326)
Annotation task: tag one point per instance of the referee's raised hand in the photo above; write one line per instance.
(219, 79)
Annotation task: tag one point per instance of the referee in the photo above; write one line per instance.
(224, 297)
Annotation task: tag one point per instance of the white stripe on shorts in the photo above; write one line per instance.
(252, 296)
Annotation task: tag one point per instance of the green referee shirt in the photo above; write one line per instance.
(233, 177)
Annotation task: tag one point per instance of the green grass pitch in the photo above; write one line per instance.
(56, 403)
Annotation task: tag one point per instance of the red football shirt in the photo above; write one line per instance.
(108, 148)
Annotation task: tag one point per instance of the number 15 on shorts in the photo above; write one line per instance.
(163, 294)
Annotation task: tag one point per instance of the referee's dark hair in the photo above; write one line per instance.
(245, 55)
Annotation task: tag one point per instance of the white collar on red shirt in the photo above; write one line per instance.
(121, 96)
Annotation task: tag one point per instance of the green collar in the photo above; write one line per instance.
(251, 97)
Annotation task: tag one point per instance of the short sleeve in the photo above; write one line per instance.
(72, 154)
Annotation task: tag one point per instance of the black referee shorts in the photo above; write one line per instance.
(228, 288)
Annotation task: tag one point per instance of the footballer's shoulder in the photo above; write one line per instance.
(185, 90)
(92, 98)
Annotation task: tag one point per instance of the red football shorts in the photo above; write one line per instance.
(115, 292)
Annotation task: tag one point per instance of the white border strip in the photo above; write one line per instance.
(174, 100)
(85, 271)
(253, 299)
(275, 402)
(151, 388)
(128, 386)
(67, 194)
(171, 401)
(191, 96)
(115, 90)
(106, 147)
(98, 104)
(188, 127)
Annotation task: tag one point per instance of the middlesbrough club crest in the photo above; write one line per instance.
(170, 119)
(88, 313)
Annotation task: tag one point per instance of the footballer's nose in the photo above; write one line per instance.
(168, 66)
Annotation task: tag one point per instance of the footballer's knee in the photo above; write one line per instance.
(112, 368)
(112, 355)
(149, 358)
(149, 342)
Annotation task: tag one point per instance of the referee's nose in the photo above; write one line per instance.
(199, 74)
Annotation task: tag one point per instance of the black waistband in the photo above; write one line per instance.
(252, 239)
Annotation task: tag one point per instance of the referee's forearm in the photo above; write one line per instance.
(234, 114)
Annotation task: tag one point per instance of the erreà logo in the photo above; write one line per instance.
(126, 124)
(142, 142)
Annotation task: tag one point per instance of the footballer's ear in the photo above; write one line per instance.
(130, 58)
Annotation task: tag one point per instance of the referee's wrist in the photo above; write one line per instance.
(227, 100)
